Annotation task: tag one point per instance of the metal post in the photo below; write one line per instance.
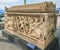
(24, 2)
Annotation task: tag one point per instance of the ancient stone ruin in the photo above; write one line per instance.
(34, 23)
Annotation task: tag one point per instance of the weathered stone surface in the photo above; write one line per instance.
(34, 27)
(39, 7)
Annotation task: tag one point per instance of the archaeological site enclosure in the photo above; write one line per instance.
(34, 23)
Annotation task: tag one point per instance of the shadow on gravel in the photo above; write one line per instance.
(20, 45)
(5, 41)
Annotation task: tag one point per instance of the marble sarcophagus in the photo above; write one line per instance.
(34, 23)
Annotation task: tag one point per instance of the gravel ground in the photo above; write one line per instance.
(7, 45)
(57, 34)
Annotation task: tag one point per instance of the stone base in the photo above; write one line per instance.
(17, 40)
(13, 38)
(1, 25)
(51, 46)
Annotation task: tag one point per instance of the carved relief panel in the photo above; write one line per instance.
(39, 28)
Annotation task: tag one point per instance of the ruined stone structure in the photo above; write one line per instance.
(58, 20)
(34, 23)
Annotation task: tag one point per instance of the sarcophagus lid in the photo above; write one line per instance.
(34, 8)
